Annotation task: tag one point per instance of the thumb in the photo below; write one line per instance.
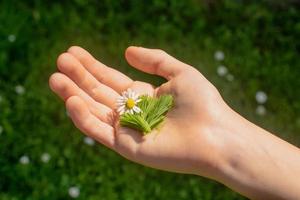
(154, 61)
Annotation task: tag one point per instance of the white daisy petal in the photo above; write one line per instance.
(136, 109)
(135, 97)
(120, 99)
(131, 111)
(121, 108)
(122, 112)
(138, 100)
(121, 103)
(130, 95)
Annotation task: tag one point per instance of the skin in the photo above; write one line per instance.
(201, 134)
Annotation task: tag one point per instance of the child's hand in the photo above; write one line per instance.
(185, 143)
(200, 135)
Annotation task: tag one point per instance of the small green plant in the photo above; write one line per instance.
(153, 113)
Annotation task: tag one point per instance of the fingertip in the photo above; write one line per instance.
(136, 57)
(80, 53)
(130, 51)
(62, 85)
(68, 64)
(62, 59)
(134, 50)
(51, 81)
(55, 81)
(74, 49)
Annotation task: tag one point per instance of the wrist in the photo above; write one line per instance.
(240, 154)
(254, 162)
(224, 146)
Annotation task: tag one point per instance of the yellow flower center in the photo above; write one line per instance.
(130, 103)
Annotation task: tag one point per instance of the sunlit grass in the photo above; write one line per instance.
(258, 41)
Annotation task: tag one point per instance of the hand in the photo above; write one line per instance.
(186, 142)
(200, 135)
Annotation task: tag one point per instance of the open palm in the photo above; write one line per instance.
(185, 143)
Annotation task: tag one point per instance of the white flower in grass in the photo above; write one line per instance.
(229, 77)
(127, 103)
(74, 192)
(24, 160)
(219, 55)
(20, 89)
(11, 38)
(45, 157)
(261, 97)
(222, 70)
(261, 110)
(89, 141)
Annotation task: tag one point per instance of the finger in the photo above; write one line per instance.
(106, 75)
(88, 123)
(154, 61)
(65, 88)
(70, 66)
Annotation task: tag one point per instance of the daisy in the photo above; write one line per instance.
(229, 77)
(260, 110)
(127, 103)
(24, 160)
(261, 97)
(222, 70)
(89, 141)
(11, 38)
(20, 89)
(219, 55)
(45, 157)
(74, 192)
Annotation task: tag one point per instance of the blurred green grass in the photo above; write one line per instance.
(261, 47)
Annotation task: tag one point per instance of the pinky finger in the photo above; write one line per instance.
(88, 123)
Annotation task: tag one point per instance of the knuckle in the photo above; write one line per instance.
(160, 60)
(162, 55)
(161, 52)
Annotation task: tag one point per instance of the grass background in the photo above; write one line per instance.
(261, 43)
